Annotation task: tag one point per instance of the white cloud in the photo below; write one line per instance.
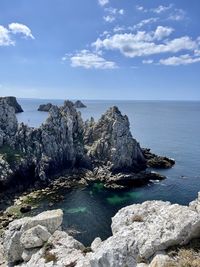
(109, 18)
(141, 8)
(162, 32)
(197, 52)
(5, 38)
(160, 9)
(90, 60)
(121, 11)
(20, 28)
(145, 43)
(147, 61)
(112, 14)
(180, 60)
(103, 2)
(118, 29)
(145, 22)
(177, 15)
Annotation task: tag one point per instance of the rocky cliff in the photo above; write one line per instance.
(110, 142)
(57, 144)
(64, 141)
(12, 101)
(142, 234)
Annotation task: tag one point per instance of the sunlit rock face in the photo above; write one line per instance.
(110, 141)
(8, 123)
(57, 143)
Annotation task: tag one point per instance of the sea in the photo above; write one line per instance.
(169, 128)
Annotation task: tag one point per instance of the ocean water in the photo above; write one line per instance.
(170, 128)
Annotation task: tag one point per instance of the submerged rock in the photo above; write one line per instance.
(45, 107)
(12, 101)
(110, 142)
(79, 104)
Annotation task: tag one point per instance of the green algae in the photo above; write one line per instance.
(77, 210)
(121, 198)
(98, 187)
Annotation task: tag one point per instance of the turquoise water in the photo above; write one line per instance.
(168, 128)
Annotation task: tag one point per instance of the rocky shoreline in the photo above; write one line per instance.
(143, 235)
(64, 141)
(65, 152)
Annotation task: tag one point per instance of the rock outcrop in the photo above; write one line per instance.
(45, 107)
(12, 101)
(110, 142)
(157, 162)
(79, 104)
(64, 141)
(55, 145)
(27, 233)
(141, 235)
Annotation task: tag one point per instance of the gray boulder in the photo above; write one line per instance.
(38, 228)
(141, 230)
(35, 237)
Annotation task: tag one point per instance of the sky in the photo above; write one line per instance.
(100, 49)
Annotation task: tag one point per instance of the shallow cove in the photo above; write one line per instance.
(169, 128)
(88, 210)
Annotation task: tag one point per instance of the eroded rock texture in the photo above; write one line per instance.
(110, 142)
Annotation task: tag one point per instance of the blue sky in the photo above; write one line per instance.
(100, 49)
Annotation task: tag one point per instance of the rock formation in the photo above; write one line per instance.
(110, 142)
(12, 101)
(45, 107)
(63, 141)
(57, 144)
(79, 104)
(141, 235)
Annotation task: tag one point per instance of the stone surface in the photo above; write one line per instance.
(139, 231)
(110, 142)
(160, 260)
(35, 237)
(28, 253)
(141, 234)
(45, 107)
(96, 243)
(12, 101)
(79, 104)
(51, 220)
(63, 248)
(195, 205)
(8, 122)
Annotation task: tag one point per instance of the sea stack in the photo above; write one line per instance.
(12, 101)
(45, 107)
(79, 104)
